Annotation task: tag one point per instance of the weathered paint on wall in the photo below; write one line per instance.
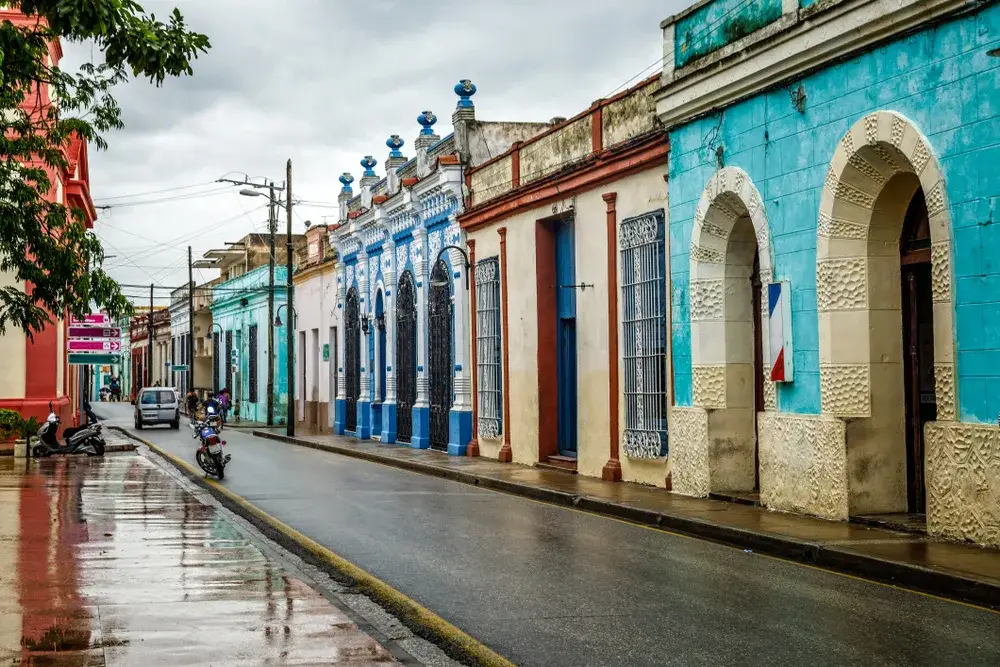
(637, 194)
(556, 150)
(492, 180)
(943, 81)
(629, 117)
(488, 139)
(718, 23)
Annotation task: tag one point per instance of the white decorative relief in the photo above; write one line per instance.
(944, 391)
(707, 300)
(871, 128)
(941, 272)
(833, 228)
(963, 481)
(709, 255)
(845, 390)
(709, 386)
(401, 251)
(842, 284)
(689, 452)
(803, 464)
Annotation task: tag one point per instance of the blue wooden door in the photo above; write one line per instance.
(566, 337)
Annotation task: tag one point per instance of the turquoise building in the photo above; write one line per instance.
(239, 343)
(834, 211)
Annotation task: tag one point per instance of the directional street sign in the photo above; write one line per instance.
(90, 331)
(91, 359)
(76, 345)
(99, 319)
(179, 368)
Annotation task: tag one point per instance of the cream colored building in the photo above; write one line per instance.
(568, 235)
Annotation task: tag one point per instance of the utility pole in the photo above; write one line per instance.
(272, 224)
(290, 327)
(149, 364)
(190, 341)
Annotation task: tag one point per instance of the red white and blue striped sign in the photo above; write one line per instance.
(779, 309)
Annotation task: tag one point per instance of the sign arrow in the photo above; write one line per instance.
(76, 345)
(81, 331)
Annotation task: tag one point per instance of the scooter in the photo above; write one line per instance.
(209, 454)
(77, 440)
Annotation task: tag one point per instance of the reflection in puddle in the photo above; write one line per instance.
(116, 564)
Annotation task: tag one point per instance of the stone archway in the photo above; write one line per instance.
(730, 237)
(876, 171)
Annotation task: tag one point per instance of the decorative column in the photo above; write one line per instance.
(612, 471)
(460, 415)
(473, 449)
(389, 282)
(506, 452)
(364, 430)
(340, 406)
(421, 438)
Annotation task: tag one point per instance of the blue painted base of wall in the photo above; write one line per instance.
(389, 422)
(364, 430)
(340, 411)
(376, 418)
(459, 432)
(421, 428)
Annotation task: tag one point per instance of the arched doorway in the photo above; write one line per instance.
(406, 356)
(883, 290)
(352, 360)
(440, 346)
(730, 267)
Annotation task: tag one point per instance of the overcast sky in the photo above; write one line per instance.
(325, 82)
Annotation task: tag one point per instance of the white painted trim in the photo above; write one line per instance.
(746, 67)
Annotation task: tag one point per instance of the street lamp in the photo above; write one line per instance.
(211, 330)
(277, 318)
(468, 266)
(251, 189)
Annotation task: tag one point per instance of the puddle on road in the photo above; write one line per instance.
(117, 564)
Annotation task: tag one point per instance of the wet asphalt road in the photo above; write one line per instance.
(550, 586)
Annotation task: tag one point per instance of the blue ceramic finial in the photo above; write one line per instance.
(465, 89)
(369, 164)
(427, 120)
(395, 143)
(345, 180)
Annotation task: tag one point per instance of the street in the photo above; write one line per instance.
(544, 585)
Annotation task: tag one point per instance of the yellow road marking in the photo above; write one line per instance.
(403, 607)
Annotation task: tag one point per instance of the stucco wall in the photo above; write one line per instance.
(718, 23)
(557, 150)
(315, 301)
(492, 181)
(637, 194)
(943, 81)
(631, 116)
(12, 352)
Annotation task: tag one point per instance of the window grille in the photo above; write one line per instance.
(488, 353)
(227, 363)
(644, 335)
(252, 363)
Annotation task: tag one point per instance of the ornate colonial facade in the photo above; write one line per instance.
(833, 163)
(403, 346)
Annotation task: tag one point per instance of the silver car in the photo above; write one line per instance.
(157, 405)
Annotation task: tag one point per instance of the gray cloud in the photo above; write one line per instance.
(325, 83)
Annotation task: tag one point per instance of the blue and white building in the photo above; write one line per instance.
(402, 312)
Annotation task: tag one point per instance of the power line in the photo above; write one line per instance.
(163, 200)
(155, 192)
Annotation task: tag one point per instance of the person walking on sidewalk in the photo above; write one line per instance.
(192, 402)
(224, 403)
(116, 389)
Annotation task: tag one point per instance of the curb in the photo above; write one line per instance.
(949, 585)
(456, 643)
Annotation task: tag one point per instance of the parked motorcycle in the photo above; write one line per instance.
(210, 455)
(76, 440)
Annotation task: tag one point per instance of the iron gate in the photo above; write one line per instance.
(406, 356)
(440, 344)
(352, 361)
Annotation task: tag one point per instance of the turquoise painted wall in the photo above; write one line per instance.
(718, 23)
(943, 81)
(231, 315)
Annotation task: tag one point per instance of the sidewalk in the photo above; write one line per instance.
(963, 572)
(112, 561)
